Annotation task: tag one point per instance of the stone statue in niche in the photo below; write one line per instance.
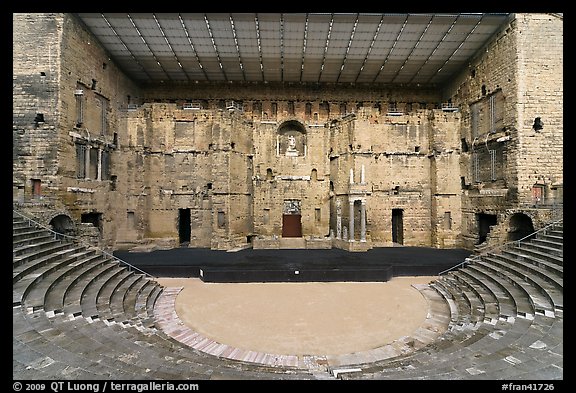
(291, 150)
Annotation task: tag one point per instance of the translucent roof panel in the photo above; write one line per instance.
(293, 47)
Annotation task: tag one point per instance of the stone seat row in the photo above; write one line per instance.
(506, 321)
(81, 315)
(78, 314)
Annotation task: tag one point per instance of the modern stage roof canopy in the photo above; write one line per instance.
(410, 49)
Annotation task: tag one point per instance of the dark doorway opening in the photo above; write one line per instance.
(397, 226)
(485, 221)
(94, 219)
(291, 225)
(63, 224)
(36, 188)
(184, 230)
(520, 227)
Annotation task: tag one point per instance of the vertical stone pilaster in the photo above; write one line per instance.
(99, 174)
(363, 221)
(351, 220)
(338, 220)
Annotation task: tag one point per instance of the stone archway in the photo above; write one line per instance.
(63, 224)
(520, 225)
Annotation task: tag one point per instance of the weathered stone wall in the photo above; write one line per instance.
(36, 54)
(325, 99)
(540, 65)
(523, 63)
(196, 160)
(54, 56)
(229, 168)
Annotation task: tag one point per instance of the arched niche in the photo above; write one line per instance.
(291, 139)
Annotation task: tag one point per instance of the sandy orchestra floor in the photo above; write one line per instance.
(327, 318)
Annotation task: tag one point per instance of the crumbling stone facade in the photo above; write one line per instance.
(221, 166)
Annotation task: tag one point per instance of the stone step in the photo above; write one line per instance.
(537, 289)
(50, 275)
(513, 290)
(72, 303)
(36, 254)
(88, 302)
(489, 302)
(69, 277)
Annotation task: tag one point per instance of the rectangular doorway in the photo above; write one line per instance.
(36, 188)
(291, 225)
(292, 218)
(397, 226)
(485, 221)
(92, 218)
(184, 226)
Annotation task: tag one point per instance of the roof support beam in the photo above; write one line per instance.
(326, 46)
(391, 49)
(304, 47)
(259, 46)
(125, 46)
(282, 47)
(435, 49)
(412, 50)
(215, 47)
(192, 46)
(148, 46)
(237, 47)
(456, 50)
(170, 46)
(370, 48)
(347, 49)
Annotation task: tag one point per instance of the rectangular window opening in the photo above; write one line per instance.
(131, 220)
(221, 219)
(447, 220)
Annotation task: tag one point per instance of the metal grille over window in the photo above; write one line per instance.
(79, 93)
(80, 161)
(476, 168)
(492, 164)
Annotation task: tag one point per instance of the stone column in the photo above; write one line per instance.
(338, 219)
(87, 162)
(351, 221)
(363, 221)
(99, 169)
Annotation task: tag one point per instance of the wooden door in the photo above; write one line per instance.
(291, 225)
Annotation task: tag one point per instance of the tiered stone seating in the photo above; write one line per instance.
(80, 314)
(507, 320)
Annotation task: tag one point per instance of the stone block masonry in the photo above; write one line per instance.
(226, 165)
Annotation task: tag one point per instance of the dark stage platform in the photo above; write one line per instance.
(378, 264)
